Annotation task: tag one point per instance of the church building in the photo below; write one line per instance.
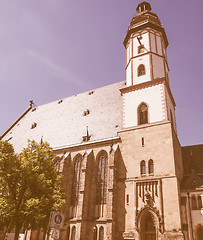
(126, 175)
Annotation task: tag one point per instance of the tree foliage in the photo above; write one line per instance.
(30, 186)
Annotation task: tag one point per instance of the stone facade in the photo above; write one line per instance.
(126, 176)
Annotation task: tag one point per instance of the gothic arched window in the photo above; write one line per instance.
(101, 178)
(151, 166)
(141, 70)
(76, 179)
(142, 114)
(73, 233)
(101, 233)
(143, 167)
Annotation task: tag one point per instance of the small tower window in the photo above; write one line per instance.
(141, 70)
(127, 199)
(194, 203)
(142, 142)
(142, 167)
(142, 114)
(199, 202)
(151, 166)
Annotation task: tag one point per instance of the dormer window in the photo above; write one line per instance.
(141, 70)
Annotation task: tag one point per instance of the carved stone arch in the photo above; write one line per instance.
(142, 213)
(157, 220)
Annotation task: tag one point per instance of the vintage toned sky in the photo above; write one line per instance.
(51, 49)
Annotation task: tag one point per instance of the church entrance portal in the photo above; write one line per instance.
(148, 228)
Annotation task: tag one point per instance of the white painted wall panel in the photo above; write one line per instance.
(153, 44)
(159, 46)
(128, 54)
(158, 67)
(151, 96)
(145, 60)
(128, 75)
(144, 41)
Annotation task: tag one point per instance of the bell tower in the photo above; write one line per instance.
(149, 145)
(145, 44)
(147, 97)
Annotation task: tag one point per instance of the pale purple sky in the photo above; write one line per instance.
(52, 49)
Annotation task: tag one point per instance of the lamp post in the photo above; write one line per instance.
(94, 233)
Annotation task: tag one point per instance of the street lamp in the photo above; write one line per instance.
(94, 233)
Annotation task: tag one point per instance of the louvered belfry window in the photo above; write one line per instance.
(141, 70)
(76, 179)
(143, 114)
(101, 178)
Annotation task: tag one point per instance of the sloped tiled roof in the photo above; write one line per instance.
(193, 167)
(64, 124)
(193, 181)
(193, 158)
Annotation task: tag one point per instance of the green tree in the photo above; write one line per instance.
(30, 186)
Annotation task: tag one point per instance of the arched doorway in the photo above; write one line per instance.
(148, 228)
(200, 233)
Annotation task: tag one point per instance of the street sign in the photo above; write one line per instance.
(56, 220)
(56, 233)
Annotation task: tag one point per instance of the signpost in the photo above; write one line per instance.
(56, 224)
(56, 220)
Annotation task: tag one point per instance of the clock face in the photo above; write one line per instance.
(141, 49)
